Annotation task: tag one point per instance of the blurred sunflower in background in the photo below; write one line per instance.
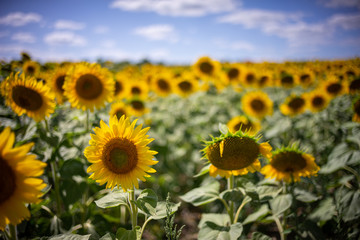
(293, 105)
(121, 89)
(25, 95)
(138, 89)
(119, 154)
(18, 176)
(249, 78)
(306, 78)
(354, 85)
(288, 80)
(333, 87)
(137, 107)
(88, 86)
(235, 154)
(186, 84)
(316, 100)
(206, 68)
(243, 124)
(265, 79)
(161, 84)
(31, 68)
(257, 104)
(118, 108)
(289, 164)
(56, 82)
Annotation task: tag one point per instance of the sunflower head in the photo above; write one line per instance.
(289, 164)
(235, 153)
(354, 85)
(317, 100)
(243, 124)
(121, 88)
(119, 154)
(31, 68)
(18, 176)
(137, 107)
(118, 108)
(25, 95)
(186, 84)
(333, 87)
(288, 80)
(205, 67)
(257, 104)
(56, 82)
(161, 84)
(293, 105)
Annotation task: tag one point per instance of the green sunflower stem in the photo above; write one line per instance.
(134, 209)
(87, 120)
(231, 203)
(56, 186)
(280, 228)
(243, 203)
(12, 235)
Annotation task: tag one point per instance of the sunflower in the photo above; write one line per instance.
(26, 95)
(317, 100)
(306, 78)
(356, 108)
(257, 104)
(118, 108)
(119, 154)
(161, 84)
(333, 87)
(249, 78)
(293, 105)
(233, 74)
(354, 85)
(56, 82)
(265, 79)
(186, 84)
(137, 107)
(206, 68)
(88, 86)
(121, 89)
(235, 154)
(289, 164)
(20, 185)
(138, 89)
(244, 124)
(288, 80)
(31, 68)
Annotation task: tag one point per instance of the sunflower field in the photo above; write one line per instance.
(215, 150)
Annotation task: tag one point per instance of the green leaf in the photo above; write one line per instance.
(112, 199)
(124, 234)
(281, 203)
(147, 201)
(268, 191)
(108, 236)
(72, 191)
(351, 203)
(202, 195)
(72, 168)
(203, 171)
(324, 212)
(258, 215)
(70, 237)
(304, 196)
(161, 209)
(216, 227)
(231, 194)
(260, 236)
(333, 165)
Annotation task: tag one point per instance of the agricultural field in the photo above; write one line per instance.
(212, 150)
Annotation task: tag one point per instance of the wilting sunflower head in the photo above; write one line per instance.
(18, 177)
(257, 104)
(293, 105)
(119, 154)
(88, 86)
(317, 100)
(243, 124)
(289, 164)
(356, 108)
(118, 108)
(31, 68)
(25, 95)
(235, 154)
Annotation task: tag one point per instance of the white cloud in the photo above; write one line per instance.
(340, 3)
(64, 38)
(24, 37)
(191, 8)
(237, 45)
(101, 29)
(108, 44)
(17, 19)
(157, 32)
(69, 25)
(347, 21)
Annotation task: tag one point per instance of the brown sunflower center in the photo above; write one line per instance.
(287, 81)
(163, 85)
(27, 98)
(350, 73)
(263, 80)
(257, 105)
(135, 90)
(30, 70)
(355, 85)
(206, 67)
(8, 181)
(233, 73)
(118, 88)
(185, 86)
(318, 101)
(237, 153)
(60, 82)
(296, 103)
(250, 78)
(334, 88)
(119, 113)
(288, 162)
(89, 87)
(120, 155)
(243, 126)
(357, 107)
(305, 78)
(137, 104)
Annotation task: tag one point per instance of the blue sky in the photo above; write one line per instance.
(180, 31)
